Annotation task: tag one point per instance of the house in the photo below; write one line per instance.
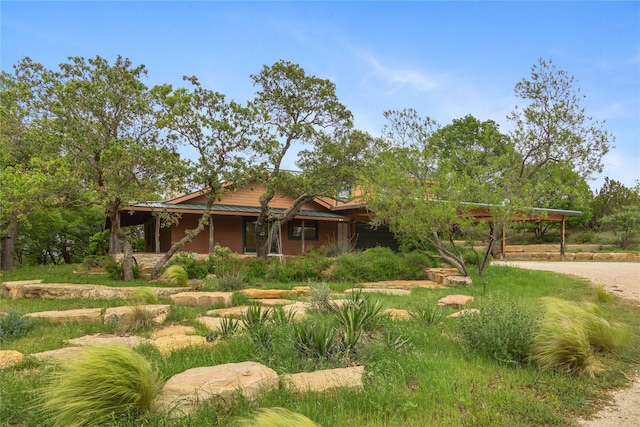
(343, 218)
(319, 222)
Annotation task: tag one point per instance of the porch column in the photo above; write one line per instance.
(503, 243)
(563, 241)
(157, 234)
(302, 238)
(211, 244)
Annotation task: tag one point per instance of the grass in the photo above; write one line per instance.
(415, 374)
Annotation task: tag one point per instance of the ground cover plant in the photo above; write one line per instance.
(416, 373)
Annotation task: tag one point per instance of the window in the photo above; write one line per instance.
(298, 228)
(344, 193)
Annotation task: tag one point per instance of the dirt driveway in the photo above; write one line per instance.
(620, 278)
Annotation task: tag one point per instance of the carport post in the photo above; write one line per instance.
(503, 243)
(563, 241)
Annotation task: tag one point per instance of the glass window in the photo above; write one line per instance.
(298, 227)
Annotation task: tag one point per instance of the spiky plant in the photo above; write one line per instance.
(276, 417)
(428, 314)
(176, 275)
(104, 383)
(140, 319)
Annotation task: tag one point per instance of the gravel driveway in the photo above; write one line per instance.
(623, 279)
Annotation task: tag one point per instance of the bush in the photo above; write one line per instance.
(570, 334)
(115, 271)
(358, 314)
(277, 417)
(588, 236)
(378, 264)
(139, 320)
(103, 383)
(231, 281)
(14, 325)
(336, 248)
(502, 331)
(145, 296)
(195, 269)
(176, 275)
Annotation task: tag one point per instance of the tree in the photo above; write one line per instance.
(612, 197)
(428, 182)
(300, 111)
(102, 116)
(553, 127)
(220, 132)
(625, 224)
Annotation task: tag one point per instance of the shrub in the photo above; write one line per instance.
(588, 236)
(115, 271)
(229, 327)
(177, 275)
(315, 339)
(336, 248)
(14, 325)
(377, 264)
(570, 334)
(140, 319)
(195, 269)
(357, 315)
(428, 314)
(277, 417)
(319, 295)
(102, 383)
(145, 296)
(231, 281)
(502, 331)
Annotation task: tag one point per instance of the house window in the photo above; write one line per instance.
(344, 193)
(298, 228)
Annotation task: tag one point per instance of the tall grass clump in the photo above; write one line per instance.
(428, 313)
(104, 384)
(502, 331)
(14, 325)
(276, 417)
(176, 275)
(571, 334)
(140, 319)
(360, 313)
(231, 281)
(145, 296)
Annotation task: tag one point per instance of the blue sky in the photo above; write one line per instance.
(444, 59)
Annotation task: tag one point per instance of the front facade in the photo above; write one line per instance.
(319, 222)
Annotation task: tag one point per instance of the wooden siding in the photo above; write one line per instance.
(227, 232)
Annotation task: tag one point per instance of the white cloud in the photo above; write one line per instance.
(399, 77)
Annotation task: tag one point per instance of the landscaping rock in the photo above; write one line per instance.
(385, 291)
(274, 302)
(465, 312)
(66, 291)
(455, 300)
(99, 339)
(118, 314)
(397, 314)
(173, 330)
(183, 392)
(79, 315)
(438, 274)
(403, 284)
(213, 323)
(325, 380)
(59, 355)
(202, 299)
(456, 281)
(15, 289)
(265, 293)
(235, 312)
(170, 343)
(10, 358)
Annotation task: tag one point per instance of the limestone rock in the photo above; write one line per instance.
(235, 312)
(213, 323)
(15, 289)
(397, 314)
(9, 358)
(173, 330)
(99, 339)
(59, 355)
(465, 312)
(266, 293)
(274, 302)
(455, 300)
(403, 284)
(224, 383)
(438, 274)
(301, 291)
(159, 312)
(386, 291)
(325, 380)
(202, 299)
(79, 315)
(66, 291)
(170, 343)
(456, 281)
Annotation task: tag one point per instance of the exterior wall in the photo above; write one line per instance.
(227, 232)
(326, 233)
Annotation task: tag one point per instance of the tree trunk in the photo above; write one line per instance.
(9, 244)
(445, 254)
(189, 236)
(127, 250)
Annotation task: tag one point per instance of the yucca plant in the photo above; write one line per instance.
(280, 316)
(228, 327)
(428, 314)
(176, 275)
(569, 335)
(256, 316)
(358, 314)
(103, 384)
(277, 417)
(315, 339)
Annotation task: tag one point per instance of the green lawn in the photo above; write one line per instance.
(430, 381)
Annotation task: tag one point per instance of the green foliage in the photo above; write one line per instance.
(139, 320)
(336, 248)
(239, 299)
(195, 269)
(502, 331)
(612, 197)
(14, 325)
(358, 314)
(145, 296)
(280, 316)
(104, 383)
(625, 225)
(570, 334)
(177, 275)
(428, 314)
(378, 264)
(231, 281)
(316, 339)
(115, 271)
(320, 297)
(277, 417)
(588, 236)
(99, 243)
(229, 327)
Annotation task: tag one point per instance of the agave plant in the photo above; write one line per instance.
(428, 314)
(315, 339)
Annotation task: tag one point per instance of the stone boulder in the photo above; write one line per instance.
(213, 323)
(63, 316)
(455, 300)
(465, 312)
(59, 355)
(99, 339)
(15, 289)
(158, 312)
(456, 281)
(386, 291)
(173, 330)
(234, 312)
(222, 383)
(10, 358)
(325, 380)
(169, 343)
(397, 314)
(438, 274)
(202, 299)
